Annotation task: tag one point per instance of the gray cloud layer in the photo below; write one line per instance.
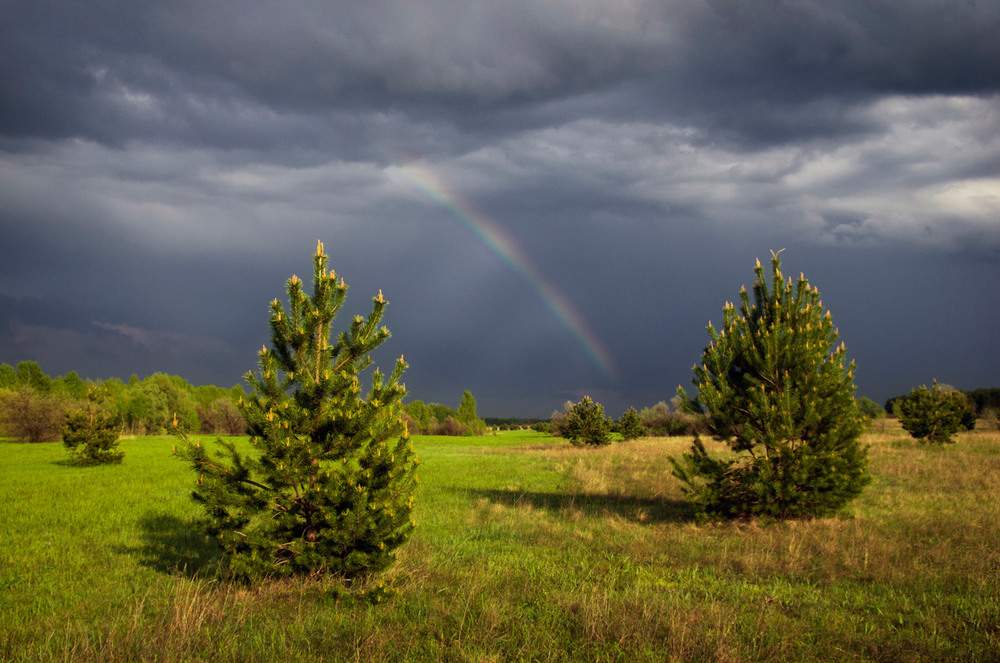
(164, 167)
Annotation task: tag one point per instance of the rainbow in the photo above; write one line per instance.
(504, 247)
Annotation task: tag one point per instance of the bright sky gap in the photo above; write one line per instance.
(426, 181)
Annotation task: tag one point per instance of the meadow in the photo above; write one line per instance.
(526, 549)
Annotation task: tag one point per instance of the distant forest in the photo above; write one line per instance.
(149, 405)
(146, 406)
(32, 405)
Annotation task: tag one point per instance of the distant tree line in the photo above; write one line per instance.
(513, 423)
(437, 419)
(33, 405)
(659, 420)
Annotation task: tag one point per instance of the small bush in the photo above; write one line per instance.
(663, 421)
(557, 422)
(31, 416)
(229, 421)
(451, 426)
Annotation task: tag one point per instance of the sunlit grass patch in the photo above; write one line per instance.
(526, 549)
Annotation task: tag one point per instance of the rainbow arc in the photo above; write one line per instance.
(490, 233)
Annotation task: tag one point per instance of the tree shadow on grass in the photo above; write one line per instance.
(176, 546)
(636, 509)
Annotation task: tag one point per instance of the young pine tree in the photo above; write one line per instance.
(91, 433)
(773, 385)
(630, 425)
(935, 414)
(585, 423)
(328, 486)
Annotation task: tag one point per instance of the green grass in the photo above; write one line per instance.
(526, 549)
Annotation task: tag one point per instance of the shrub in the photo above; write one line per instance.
(773, 386)
(660, 420)
(935, 414)
(328, 487)
(585, 423)
(451, 426)
(221, 417)
(31, 416)
(557, 422)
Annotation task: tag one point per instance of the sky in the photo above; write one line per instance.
(555, 196)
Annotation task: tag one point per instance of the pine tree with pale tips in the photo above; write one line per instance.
(936, 414)
(586, 423)
(630, 425)
(774, 384)
(326, 486)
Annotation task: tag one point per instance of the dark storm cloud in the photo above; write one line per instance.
(218, 72)
(165, 166)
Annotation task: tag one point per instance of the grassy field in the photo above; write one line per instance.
(526, 549)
